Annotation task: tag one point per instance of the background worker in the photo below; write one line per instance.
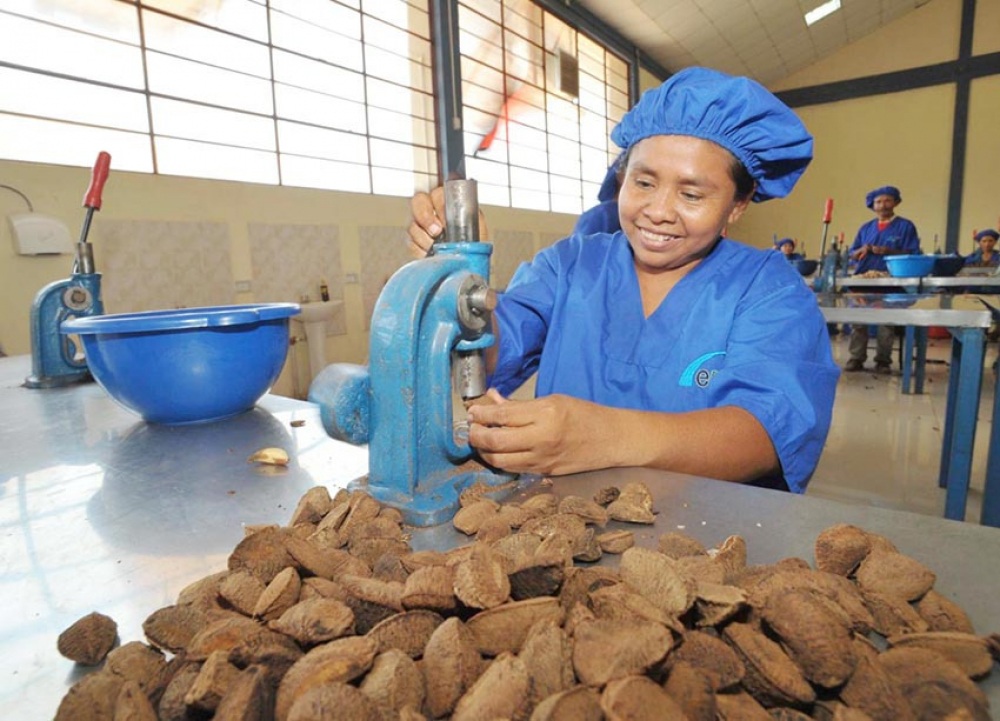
(667, 345)
(985, 255)
(787, 248)
(888, 234)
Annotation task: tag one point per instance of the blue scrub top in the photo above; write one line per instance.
(741, 329)
(602, 218)
(976, 260)
(900, 234)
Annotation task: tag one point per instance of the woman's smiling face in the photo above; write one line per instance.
(677, 197)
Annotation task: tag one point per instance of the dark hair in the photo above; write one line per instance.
(745, 184)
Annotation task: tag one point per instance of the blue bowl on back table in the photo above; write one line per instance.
(189, 365)
(947, 266)
(910, 266)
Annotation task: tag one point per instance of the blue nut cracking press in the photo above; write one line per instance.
(432, 318)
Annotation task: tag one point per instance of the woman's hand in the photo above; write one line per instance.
(555, 434)
(428, 222)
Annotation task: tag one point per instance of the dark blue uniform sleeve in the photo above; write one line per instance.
(522, 316)
(602, 218)
(779, 367)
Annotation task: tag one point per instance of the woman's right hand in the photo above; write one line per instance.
(427, 222)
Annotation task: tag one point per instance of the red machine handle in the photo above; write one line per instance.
(828, 211)
(98, 176)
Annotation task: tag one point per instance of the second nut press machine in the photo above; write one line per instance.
(432, 322)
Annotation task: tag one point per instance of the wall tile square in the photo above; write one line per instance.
(158, 265)
(290, 261)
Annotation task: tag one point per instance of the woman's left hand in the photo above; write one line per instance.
(555, 434)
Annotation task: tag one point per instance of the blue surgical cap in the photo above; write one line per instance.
(988, 233)
(884, 190)
(779, 243)
(737, 113)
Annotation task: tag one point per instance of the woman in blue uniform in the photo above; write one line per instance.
(986, 256)
(787, 248)
(665, 344)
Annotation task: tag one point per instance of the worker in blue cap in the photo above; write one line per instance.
(787, 248)
(886, 234)
(985, 255)
(666, 344)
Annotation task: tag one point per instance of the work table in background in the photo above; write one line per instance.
(101, 511)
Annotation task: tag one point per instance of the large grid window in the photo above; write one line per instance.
(539, 102)
(330, 94)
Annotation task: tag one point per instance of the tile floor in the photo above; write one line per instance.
(884, 447)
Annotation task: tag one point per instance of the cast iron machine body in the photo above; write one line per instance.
(431, 320)
(54, 359)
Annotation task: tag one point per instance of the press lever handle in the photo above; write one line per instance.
(98, 176)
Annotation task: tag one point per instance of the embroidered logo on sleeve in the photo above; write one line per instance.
(695, 375)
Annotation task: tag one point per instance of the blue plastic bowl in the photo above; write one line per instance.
(189, 365)
(806, 267)
(910, 266)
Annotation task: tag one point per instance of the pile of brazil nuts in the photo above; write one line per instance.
(335, 617)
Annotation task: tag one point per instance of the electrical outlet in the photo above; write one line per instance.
(350, 278)
(243, 286)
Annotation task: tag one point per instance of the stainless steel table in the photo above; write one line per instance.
(968, 318)
(956, 284)
(100, 511)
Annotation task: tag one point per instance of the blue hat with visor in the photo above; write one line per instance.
(737, 113)
(988, 233)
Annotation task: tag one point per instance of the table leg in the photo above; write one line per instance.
(990, 515)
(921, 360)
(949, 409)
(964, 417)
(908, 359)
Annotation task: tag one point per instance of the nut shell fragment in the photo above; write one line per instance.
(934, 686)
(894, 574)
(503, 691)
(638, 698)
(270, 456)
(967, 651)
(480, 580)
(616, 541)
(430, 587)
(578, 704)
(334, 701)
(711, 656)
(394, 681)
(451, 665)
(658, 578)
(407, 632)
(505, 627)
(315, 621)
(606, 650)
(172, 627)
(840, 549)
(342, 660)
(89, 639)
(814, 636)
(771, 676)
(92, 698)
(943, 614)
(279, 596)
